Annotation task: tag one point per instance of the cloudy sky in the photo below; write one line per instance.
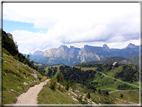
(41, 26)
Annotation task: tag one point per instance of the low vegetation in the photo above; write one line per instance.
(91, 80)
(17, 79)
(18, 72)
(50, 96)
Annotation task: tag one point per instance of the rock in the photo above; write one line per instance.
(25, 83)
(12, 90)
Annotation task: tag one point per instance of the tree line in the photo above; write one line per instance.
(11, 48)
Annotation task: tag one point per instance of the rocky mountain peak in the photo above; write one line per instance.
(71, 47)
(132, 46)
(63, 48)
(38, 52)
(86, 47)
(105, 47)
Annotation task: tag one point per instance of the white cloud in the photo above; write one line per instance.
(74, 23)
(28, 42)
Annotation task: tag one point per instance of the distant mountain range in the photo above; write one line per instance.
(71, 56)
(134, 60)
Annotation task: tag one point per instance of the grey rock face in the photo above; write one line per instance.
(73, 55)
(132, 46)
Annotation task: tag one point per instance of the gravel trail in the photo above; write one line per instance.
(30, 97)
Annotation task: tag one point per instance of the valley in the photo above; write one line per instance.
(105, 84)
(111, 80)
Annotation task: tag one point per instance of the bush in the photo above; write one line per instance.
(39, 77)
(62, 89)
(88, 95)
(121, 95)
(59, 88)
(53, 84)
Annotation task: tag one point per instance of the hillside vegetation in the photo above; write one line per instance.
(17, 79)
(18, 73)
(103, 81)
(54, 97)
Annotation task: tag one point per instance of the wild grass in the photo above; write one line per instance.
(86, 68)
(15, 74)
(131, 96)
(48, 96)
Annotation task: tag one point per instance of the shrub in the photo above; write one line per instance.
(88, 95)
(53, 84)
(39, 77)
(121, 95)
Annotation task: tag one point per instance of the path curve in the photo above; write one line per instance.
(118, 79)
(30, 97)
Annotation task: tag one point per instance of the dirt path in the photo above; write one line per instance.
(118, 80)
(30, 97)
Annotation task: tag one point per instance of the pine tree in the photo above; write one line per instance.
(58, 77)
(68, 85)
(53, 84)
(88, 95)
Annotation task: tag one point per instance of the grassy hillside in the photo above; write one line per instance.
(134, 59)
(17, 78)
(129, 73)
(100, 77)
(15, 74)
(48, 96)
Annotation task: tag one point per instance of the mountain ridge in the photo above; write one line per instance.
(73, 55)
(134, 60)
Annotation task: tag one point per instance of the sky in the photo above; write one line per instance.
(42, 26)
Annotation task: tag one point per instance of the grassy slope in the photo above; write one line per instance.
(110, 73)
(46, 70)
(48, 96)
(15, 74)
(132, 96)
(110, 84)
(134, 59)
(113, 72)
